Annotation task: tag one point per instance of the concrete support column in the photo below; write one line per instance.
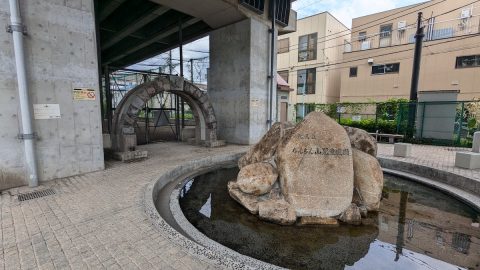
(239, 83)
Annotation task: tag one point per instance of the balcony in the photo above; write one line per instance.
(405, 34)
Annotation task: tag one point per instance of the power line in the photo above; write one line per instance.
(386, 54)
(339, 45)
(308, 5)
(199, 51)
(358, 30)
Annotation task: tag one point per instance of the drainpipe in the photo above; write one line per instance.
(272, 67)
(17, 29)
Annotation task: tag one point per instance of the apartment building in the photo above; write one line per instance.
(301, 53)
(378, 59)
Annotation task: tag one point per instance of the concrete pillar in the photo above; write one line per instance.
(239, 83)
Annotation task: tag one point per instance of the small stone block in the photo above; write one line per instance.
(317, 221)
(467, 160)
(213, 144)
(402, 149)
(130, 155)
(476, 142)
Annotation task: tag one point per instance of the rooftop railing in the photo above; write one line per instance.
(405, 34)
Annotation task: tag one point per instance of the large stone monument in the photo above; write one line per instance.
(325, 173)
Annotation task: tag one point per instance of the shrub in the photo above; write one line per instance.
(370, 125)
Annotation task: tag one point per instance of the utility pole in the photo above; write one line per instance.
(170, 67)
(191, 70)
(417, 59)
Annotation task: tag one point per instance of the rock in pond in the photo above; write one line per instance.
(352, 215)
(368, 179)
(277, 211)
(257, 179)
(315, 165)
(265, 149)
(361, 140)
(250, 202)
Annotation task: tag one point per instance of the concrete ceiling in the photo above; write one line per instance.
(131, 31)
(134, 30)
(215, 13)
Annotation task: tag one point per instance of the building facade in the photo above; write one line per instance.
(302, 53)
(378, 59)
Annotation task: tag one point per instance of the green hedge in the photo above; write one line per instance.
(383, 126)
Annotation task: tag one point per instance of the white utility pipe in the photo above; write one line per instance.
(25, 113)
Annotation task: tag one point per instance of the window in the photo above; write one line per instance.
(386, 69)
(362, 36)
(385, 35)
(353, 72)
(307, 47)
(468, 61)
(256, 5)
(306, 79)
(284, 74)
(283, 45)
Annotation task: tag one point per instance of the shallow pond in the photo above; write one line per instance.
(416, 228)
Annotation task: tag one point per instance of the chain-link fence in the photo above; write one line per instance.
(439, 123)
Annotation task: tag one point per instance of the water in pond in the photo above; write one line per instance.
(416, 228)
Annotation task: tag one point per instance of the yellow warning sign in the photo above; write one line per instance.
(83, 94)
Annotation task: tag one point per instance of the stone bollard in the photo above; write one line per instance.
(476, 142)
(467, 160)
(470, 160)
(402, 149)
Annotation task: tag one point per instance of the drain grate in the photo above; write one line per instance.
(35, 194)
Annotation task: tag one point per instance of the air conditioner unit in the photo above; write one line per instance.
(466, 13)
(365, 45)
(402, 25)
(362, 36)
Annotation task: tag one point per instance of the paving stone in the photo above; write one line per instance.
(97, 220)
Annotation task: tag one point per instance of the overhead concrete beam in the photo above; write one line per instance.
(153, 39)
(110, 8)
(134, 26)
(215, 13)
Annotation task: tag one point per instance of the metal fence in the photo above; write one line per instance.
(438, 123)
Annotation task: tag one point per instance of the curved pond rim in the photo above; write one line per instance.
(195, 235)
(464, 196)
(170, 219)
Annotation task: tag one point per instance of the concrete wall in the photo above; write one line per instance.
(238, 83)
(61, 55)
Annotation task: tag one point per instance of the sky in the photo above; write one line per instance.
(344, 10)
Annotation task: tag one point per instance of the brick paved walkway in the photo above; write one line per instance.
(442, 158)
(97, 220)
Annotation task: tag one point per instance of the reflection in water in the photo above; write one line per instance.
(416, 228)
(206, 209)
(402, 210)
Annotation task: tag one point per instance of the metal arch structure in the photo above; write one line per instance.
(126, 114)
